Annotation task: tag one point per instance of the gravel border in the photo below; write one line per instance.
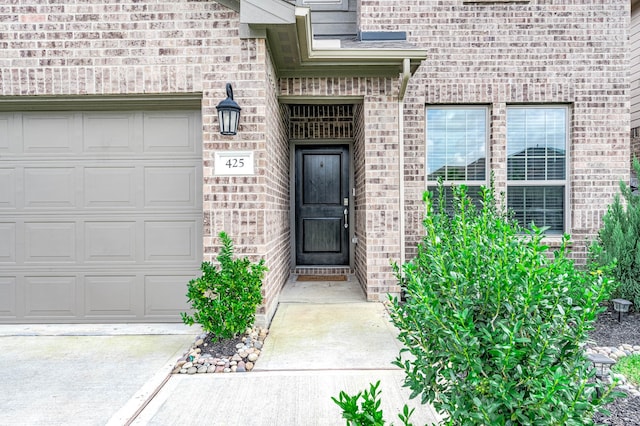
(197, 361)
(613, 339)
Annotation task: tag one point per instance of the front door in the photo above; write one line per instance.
(322, 205)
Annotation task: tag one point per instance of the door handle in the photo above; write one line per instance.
(346, 218)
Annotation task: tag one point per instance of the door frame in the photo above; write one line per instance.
(293, 144)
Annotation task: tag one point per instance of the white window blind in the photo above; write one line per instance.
(536, 165)
(457, 149)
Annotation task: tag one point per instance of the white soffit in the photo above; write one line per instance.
(287, 29)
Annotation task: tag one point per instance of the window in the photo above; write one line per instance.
(536, 166)
(457, 148)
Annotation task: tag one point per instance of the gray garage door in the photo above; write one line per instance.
(100, 215)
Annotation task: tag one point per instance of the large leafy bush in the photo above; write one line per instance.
(495, 325)
(619, 242)
(225, 299)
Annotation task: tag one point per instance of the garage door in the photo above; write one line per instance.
(100, 215)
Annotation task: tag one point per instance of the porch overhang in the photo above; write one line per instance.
(288, 32)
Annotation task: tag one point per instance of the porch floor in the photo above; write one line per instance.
(348, 291)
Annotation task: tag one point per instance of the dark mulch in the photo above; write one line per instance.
(609, 332)
(220, 348)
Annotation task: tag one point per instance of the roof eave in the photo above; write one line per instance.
(231, 4)
(287, 29)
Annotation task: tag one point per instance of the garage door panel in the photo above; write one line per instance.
(7, 242)
(165, 132)
(51, 132)
(8, 189)
(170, 187)
(110, 241)
(110, 187)
(171, 240)
(50, 242)
(50, 296)
(50, 187)
(110, 295)
(165, 294)
(5, 139)
(100, 215)
(7, 297)
(112, 132)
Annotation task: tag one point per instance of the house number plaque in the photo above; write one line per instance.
(234, 163)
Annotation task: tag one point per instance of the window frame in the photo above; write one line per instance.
(566, 214)
(467, 183)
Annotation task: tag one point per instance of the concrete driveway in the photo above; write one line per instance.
(82, 374)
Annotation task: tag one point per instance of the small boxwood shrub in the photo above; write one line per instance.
(225, 299)
(494, 324)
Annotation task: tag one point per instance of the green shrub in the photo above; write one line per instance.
(367, 412)
(619, 241)
(225, 300)
(494, 323)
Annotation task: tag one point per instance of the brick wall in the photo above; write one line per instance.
(277, 233)
(498, 54)
(93, 48)
(168, 46)
(359, 200)
(492, 54)
(382, 193)
(376, 172)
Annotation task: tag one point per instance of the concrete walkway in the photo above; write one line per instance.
(324, 338)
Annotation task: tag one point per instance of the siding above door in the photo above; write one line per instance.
(100, 215)
(332, 18)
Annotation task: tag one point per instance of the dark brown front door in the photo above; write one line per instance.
(322, 205)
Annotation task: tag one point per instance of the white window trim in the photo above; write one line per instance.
(567, 173)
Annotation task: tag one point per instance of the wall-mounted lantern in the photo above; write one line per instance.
(228, 114)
